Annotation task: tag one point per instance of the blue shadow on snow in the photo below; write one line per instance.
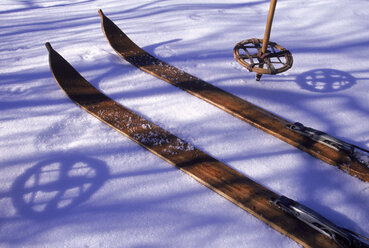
(54, 186)
(325, 80)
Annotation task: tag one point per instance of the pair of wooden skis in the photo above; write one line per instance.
(281, 213)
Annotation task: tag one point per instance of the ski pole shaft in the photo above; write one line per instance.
(268, 28)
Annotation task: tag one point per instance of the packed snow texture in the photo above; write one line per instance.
(68, 180)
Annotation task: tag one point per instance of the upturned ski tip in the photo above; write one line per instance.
(101, 13)
(49, 47)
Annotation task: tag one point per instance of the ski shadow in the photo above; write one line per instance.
(54, 186)
(325, 80)
(152, 48)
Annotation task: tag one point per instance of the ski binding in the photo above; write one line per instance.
(342, 236)
(354, 152)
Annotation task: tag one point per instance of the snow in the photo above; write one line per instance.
(68, 180)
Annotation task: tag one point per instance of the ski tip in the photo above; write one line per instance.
(48, 46)
(101, 14)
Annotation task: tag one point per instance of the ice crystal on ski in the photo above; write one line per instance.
(151, 138)
(146, 126)
(181, 145)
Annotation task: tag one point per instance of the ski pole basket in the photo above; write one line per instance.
(275, 60)
(261, 55)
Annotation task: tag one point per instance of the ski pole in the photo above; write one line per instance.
(268, 27)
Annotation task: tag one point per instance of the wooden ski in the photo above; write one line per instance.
(242, 191)
(233, 105)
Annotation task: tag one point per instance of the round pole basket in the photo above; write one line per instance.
(276, 59)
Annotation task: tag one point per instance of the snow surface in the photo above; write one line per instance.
(68, 180)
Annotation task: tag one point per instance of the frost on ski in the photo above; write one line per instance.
(181, 145)
(150, 138)
(154, 137)
(142, 131)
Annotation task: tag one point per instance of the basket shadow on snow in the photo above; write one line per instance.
(54, 186)
(325, 80)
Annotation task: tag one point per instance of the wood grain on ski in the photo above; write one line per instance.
(232, 104)
(242, 191)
